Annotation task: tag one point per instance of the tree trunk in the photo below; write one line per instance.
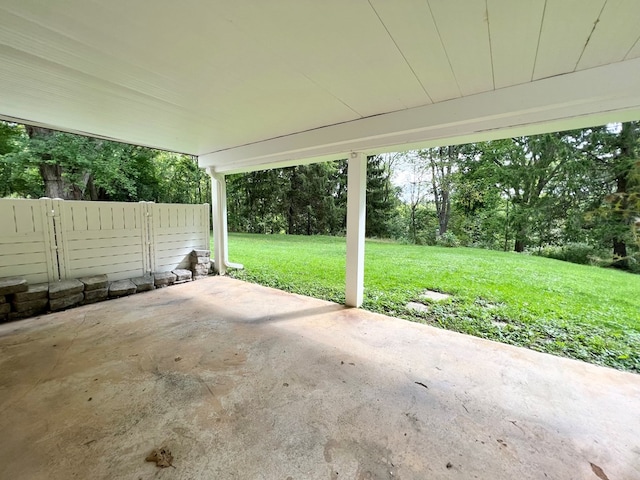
(54, 185)
(519, 245)
(620, 259)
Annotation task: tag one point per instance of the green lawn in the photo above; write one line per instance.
(582, 312)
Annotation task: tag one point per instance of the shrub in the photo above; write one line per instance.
(447, 239)
(581, 253)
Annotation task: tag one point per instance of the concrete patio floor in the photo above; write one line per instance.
(245, 382)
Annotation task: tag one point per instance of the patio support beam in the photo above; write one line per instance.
(220, 236)
(356, 210)
(220, 232)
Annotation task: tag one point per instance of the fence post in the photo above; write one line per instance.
(49, 234)
(149, 221)
(58, 217)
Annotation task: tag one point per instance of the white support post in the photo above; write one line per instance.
(220, 232)
(219, 206)
(356, 210)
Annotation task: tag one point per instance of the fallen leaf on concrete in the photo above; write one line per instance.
(598, 471)
(161, 456)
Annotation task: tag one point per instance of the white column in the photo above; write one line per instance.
(356, 209)
(219, 206)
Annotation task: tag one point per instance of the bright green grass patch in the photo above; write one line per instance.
(578, 311)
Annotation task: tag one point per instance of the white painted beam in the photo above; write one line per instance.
(220, 231)
(220, 235)
(356, 213)
(579, 99)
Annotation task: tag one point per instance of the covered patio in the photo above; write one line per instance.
(243, 382)
(240, 381)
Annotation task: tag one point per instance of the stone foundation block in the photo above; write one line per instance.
(3, 299)
(35, 292)
(26, 313)
(38, 304)
(60, 303)
(163, 279)
(121, 288)
(200, 253)
(200, 269)
(13, 285)
(65, 288)
(182, 275)
(5, 308)
(93, 296)
(143, 283)
(95, 282)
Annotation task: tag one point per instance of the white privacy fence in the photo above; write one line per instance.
(46, 240)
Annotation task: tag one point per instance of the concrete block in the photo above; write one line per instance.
(37, 304)
(65, 302)
(93, 296)
(35, 292)
(121, 288)
(200, 253)
(182, 275)
(65, 288)
(25, 314)
(144, 283)
(95, 282)
(5, 308)
(12, 285)
(163, 279)
(200, 269)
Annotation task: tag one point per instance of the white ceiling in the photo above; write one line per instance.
(253, 83)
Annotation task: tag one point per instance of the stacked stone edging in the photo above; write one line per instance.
(200, 263)
(20, 300)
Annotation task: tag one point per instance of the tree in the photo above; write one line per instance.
(382, 196)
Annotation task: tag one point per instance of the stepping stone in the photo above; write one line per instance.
(95, 282)
(65, 288)
(434, 296)
(60, 303)
(93, 296)
(34, 292)
(163, 279)
(13, 285)
(418, 307)
(143, 283)
(121, 288)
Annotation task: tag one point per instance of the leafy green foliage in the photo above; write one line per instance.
(577, 311)
(37, 162)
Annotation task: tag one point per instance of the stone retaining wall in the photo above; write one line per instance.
(19, 299)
